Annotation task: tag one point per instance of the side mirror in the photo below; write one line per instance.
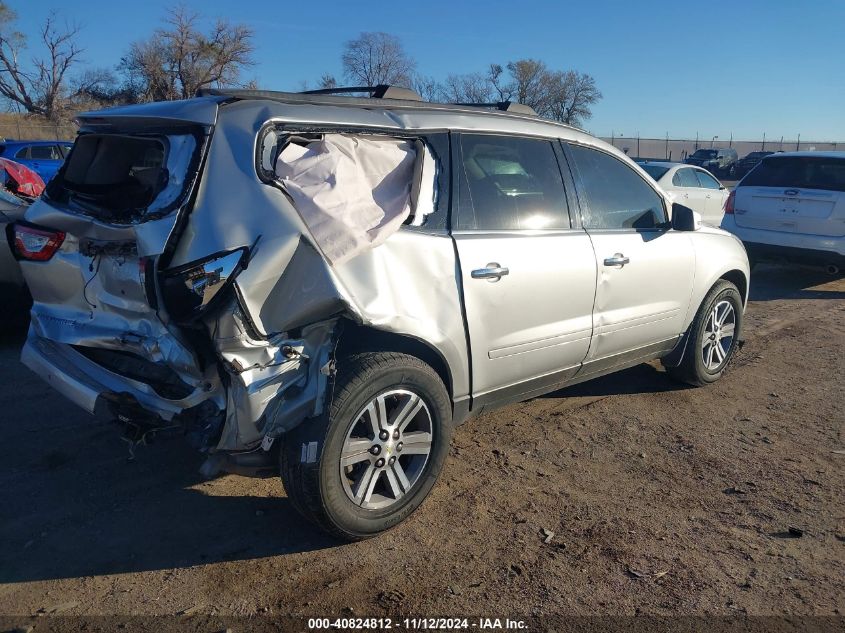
(722, 187)
(684, 218)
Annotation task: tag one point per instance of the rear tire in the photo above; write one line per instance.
(362, 467)
(712, 337)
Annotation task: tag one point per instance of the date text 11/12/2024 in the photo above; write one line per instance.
(416, 624)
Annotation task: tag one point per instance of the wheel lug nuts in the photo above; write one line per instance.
(384, 435)
(396, 434)
(399, 447)
(392, 460)
(380, 462)
(376, 449)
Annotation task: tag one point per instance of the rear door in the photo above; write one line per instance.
(645, 269)
(794, 194)
(714, 198)
(688, 191)
(528, 274)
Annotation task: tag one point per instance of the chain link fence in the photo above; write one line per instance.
(674, 149)
(21, 128)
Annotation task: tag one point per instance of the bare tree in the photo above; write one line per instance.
(377, 58)
(571, 95)
(564, 96)
(40, 87)
(469, 88)
(178, 59)
(327, 81)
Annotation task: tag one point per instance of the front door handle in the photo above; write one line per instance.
(493, 272)
(618, 259)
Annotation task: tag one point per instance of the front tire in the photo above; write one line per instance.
(372, 458)
(712, 337)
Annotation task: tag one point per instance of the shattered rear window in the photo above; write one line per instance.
(125, 178)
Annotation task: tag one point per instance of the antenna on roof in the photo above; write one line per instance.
(504, 106)
(382, 91)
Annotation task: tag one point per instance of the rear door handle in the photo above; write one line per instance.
(617, 260)
(493, 272)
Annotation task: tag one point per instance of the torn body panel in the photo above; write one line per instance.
(273, 384)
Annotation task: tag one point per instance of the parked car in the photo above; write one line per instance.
(749, 162)
(692, 186)
(791, 207)
(325, 285)
(43, 157)
(19, 186)
(719, 161)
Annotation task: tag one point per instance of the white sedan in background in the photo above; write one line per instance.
(692, 187)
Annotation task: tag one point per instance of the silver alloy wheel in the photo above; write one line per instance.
(386, 449)
(718, 335)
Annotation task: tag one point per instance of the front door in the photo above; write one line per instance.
(528, 277)
(645, 269)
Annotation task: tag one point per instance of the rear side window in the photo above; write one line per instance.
(798, 172)
(44, 152)
(685, 178)
(510, 183)
(706, 180)
(616, 196)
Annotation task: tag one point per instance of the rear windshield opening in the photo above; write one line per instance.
(798, 172)
(116, 173)
(122, 178)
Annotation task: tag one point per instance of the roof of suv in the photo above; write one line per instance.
(246, 107)
(829, 154)
(200, 109)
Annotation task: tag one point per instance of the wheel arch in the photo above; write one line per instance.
(738, 279)
(356, 338)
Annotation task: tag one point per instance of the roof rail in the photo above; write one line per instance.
(504, 106)
(382, 91)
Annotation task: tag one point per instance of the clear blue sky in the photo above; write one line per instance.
(711, 67)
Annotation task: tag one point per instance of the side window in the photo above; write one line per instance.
(685, 178)
(707, 181)
(510, 183)
(44, 152)
(23, 152)
(616, 196)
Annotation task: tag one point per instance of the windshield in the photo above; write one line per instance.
(798, 172)
(655, 171)
(705, 153)
(758, 154)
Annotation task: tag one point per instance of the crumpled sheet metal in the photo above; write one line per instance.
(274, 384)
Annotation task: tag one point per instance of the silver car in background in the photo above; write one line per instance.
(326, 285)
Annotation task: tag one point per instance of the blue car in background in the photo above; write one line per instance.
(43, 157)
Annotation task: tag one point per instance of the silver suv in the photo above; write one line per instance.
(326, 285)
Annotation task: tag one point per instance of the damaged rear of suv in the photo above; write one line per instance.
(313, 284)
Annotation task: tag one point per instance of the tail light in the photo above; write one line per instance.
(188, 291)
(729, 203)
(36, 244)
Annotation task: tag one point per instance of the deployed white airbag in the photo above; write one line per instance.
(352, 192)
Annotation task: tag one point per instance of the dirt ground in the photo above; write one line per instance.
(663, 500)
